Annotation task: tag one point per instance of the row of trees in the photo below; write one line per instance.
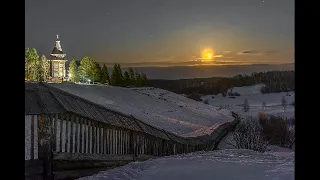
(36, 68)
(258, 133)
(91, 71)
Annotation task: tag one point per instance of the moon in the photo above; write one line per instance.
(207, 54)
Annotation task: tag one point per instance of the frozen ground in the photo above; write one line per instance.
(227, 164)
(157, 107)
(255, 99)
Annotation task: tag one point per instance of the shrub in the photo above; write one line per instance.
(224, 94)
(276, 130)
(236, 94)
(248, 135)
(194, 96)
(206, 101)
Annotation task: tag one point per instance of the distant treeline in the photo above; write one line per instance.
(89, 71)
(275, 81)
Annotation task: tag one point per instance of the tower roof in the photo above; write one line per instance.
(57, 48)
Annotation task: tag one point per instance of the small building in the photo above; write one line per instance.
(57, 63)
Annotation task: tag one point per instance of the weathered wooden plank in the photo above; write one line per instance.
(108, 141)
(89, 136)
(76, 139)
(85, 122)
(75, 174)
(61, 129)
(44, 146)
(56, 117)
(122, 142)
(115, 141)
(33, 170)
(118, 143)
(104, 140)
(97, 138)
(67, 132)
(85, 157)
(52, 131)
(34, 177)
(111, 141)
(93, 138)
(71, 118)
(34, 162)
(81, 135)
(32, 138)
(62, 165)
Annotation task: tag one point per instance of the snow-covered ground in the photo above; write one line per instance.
(273, 103)
(227, 164)
(157, 107)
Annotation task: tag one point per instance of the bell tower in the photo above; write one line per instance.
(57, 62)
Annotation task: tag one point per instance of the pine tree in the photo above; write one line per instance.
(73, 71)
(96, 70)
(132, 76)
(104, 75)
(126, 77)
(88, 70)
(144, 80)
(45, 67)
(32, 64)
(116, 75)
(138, 79)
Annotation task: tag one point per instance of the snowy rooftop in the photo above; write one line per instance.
(157, 107)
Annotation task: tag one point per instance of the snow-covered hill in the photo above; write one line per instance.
(157, 107)
(273, 101)
(230, 164)
(245, 90)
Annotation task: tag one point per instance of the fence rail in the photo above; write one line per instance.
(69, 141)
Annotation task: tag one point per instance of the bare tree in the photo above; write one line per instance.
(263, 105)
(284, 103)
(246, 105)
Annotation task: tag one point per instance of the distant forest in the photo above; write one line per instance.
(275, 81)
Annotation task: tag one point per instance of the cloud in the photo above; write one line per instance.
(214, 57)
(257, 52)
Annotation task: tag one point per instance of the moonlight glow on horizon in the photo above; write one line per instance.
(207, 55)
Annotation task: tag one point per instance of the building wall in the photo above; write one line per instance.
(58, 68)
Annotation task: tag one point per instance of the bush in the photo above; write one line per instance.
(194, 96)
(257, 134)
(236, 94)
(276, 130)
(206, 101)
(248, 135)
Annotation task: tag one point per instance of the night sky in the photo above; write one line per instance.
(164, 32)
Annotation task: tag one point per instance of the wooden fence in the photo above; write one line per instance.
(68, 145)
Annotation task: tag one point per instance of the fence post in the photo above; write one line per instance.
(133, 145)
(44, 146)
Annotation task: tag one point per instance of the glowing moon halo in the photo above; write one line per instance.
(207, 55)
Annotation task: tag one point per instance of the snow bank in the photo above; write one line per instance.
(223, 164)
(157, 107)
